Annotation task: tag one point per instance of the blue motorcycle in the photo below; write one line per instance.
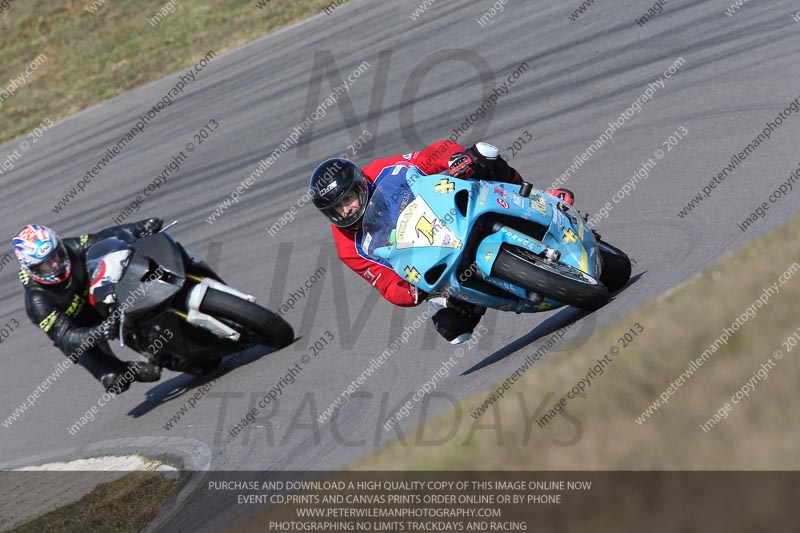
(493, 244)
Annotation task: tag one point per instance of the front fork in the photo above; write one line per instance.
(198, 318)
(489, 249)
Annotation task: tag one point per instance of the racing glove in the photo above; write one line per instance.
(487, 157)
(87, 338)
(464, 167)
(108, 329)
(151, 226)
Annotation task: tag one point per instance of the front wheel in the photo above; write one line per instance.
(550, 279)
(253, 320)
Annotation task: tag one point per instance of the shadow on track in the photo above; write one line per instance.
(179, 385)
(562, 319)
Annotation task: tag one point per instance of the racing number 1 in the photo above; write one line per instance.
(425, 228)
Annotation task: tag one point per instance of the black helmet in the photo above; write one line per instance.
(336, 182)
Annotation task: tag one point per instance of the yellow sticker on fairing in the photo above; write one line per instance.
(584, 266)
(539, 204)
(445, 186)
(569, 236)
(412, 274)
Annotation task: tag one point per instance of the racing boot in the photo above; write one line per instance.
(454, 319)
(116, 382)
(119, 381)
(144, 372)
(104, 366)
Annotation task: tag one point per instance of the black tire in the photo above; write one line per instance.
(616, 267)
(554, 280)
(268, 327)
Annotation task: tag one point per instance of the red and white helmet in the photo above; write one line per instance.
(42, 255)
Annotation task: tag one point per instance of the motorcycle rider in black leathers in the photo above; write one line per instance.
(53, 274)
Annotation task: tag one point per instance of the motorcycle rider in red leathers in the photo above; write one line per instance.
(340, 190)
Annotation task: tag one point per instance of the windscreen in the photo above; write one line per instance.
(380, 220)
(95, 255)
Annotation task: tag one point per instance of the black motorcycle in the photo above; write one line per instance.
(172, 307)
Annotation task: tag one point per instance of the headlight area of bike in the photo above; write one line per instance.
(106, 262)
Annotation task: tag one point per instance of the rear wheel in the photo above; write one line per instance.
(616, 267)
(253, 320)
(550, 279)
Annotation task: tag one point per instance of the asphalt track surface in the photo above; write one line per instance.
(740, 71)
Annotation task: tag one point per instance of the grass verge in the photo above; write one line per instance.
(86, 57)
(125, 505)
(599, 431)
